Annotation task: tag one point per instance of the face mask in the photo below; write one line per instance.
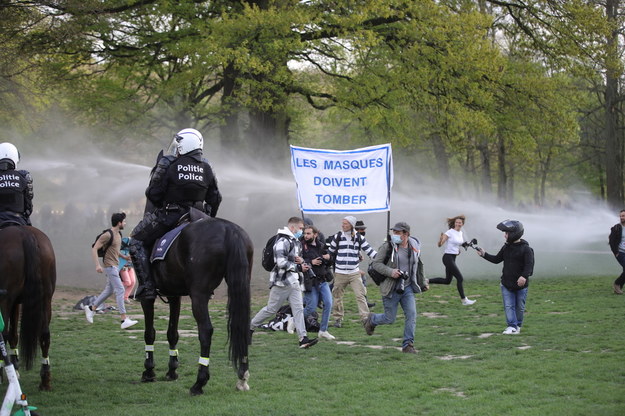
(396, 238)
(298, 234)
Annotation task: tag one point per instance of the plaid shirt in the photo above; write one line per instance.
(285, 249)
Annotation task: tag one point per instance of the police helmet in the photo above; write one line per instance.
(9, 151)
(186, 141)
(514, 229)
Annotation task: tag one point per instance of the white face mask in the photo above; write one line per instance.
(396, 238)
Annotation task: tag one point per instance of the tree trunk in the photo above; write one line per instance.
(486, 177)
(442, 159)
(268, 134)
(614, 143)
(502, 182)
(230, 134)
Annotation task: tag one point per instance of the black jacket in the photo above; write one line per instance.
(518, 260)
(614, 240)
(309, 253)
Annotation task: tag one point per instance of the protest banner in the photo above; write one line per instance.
(333, 181)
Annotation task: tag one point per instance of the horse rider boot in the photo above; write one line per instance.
(141, 263)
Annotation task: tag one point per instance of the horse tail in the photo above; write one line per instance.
(238, 273)
(32, 301)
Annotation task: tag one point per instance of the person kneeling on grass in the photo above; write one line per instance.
(518, 266)
(404, 278)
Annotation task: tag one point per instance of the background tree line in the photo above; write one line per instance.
(524, 99)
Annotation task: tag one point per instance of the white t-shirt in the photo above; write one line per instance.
(454, 241)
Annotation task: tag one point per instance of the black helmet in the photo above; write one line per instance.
(514, 229)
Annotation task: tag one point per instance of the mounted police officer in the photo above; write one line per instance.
(16, 188)
(179, 181)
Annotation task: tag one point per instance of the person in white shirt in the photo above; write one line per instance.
(454, 239)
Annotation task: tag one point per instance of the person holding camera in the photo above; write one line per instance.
(316, 279)
(403, 280)
(284, 281)
(453, 239)
(518, 265)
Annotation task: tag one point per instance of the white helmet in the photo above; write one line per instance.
(186, 141)
(9, 151)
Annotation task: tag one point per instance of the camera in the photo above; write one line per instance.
(472, 244)
(309, 274)
(401, 282)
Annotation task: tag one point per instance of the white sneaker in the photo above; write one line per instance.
(326, 335)
(88, 313)
(511, 330)
(128, 323)
(467, 301)
(290, 326)
(518, 330)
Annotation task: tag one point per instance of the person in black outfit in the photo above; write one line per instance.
(518, 266)
(16, 188)
(316, 280)
(617, 245)
(179, 181)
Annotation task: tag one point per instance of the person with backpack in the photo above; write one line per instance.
(316, 279)
(16, 188)
(346, 246)
(403, 281)
(284, 281)
(180, 181)
(111, 240)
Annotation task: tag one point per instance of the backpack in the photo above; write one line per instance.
(102, 250)
(376, 276)
(268, 260)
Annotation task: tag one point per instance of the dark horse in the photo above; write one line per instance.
(206, 252)
(28, 274)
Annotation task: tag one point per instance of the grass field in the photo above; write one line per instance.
(567, 361)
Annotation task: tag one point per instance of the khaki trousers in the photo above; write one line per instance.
(338, 291)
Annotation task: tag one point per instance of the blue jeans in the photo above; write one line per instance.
(408, 305)
(514, 305)
(311, 299)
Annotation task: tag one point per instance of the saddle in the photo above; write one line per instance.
(162, 245)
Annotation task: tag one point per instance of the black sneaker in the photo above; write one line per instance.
(307, 342)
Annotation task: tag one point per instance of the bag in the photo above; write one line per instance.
(376, 276)
(268, 260)
(102, 250)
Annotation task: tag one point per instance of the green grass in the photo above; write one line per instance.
(567, 361)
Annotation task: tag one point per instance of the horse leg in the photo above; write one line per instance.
(172, 337)
(14, 336)
(205, 333)
(44, 342)
(149, 336)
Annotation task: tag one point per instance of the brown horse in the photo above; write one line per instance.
(28, 275)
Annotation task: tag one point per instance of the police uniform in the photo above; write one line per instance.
(176, 185)
(16, 194)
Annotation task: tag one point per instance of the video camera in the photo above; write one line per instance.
(472, 244)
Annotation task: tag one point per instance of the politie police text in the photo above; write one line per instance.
(190, 172)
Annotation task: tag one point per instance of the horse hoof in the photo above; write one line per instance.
(242, 385)
(148, 379)
(171, 377)
(196, 391)
(45, 387)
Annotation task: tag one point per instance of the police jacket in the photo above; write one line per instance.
(614, 240)
(518, 260)
(186, 181)
(16, 190)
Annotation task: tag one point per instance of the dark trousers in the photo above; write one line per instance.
(621, 260)
(451, 271)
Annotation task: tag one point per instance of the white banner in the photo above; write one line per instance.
(333, 181)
